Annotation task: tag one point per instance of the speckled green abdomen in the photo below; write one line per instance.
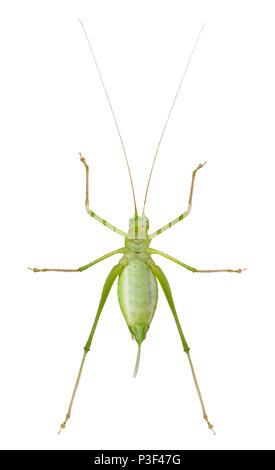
(137, 295)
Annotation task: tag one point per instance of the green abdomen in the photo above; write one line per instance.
(137, 295)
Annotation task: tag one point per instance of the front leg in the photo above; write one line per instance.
(91, 213)
(152, 251)
(188, 210)
(82, 268)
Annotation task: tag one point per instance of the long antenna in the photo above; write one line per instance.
(112, 111)
(169, 114)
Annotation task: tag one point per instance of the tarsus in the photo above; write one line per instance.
(68, 415)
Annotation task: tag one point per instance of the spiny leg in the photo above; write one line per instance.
(157, 271)
(105, 292)
(82, 268)
(152, 251)
(91, 213)
(185, 214)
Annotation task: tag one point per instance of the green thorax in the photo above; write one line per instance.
(138, 227)
(137, 240)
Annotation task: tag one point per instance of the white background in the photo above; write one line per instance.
(52, 107)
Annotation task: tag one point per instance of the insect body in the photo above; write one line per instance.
(138, 275)
(137, 286)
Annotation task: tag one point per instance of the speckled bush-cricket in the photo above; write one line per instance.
(138, 275)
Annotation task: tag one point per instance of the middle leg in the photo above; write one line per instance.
(152, 251)
(82, 268)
